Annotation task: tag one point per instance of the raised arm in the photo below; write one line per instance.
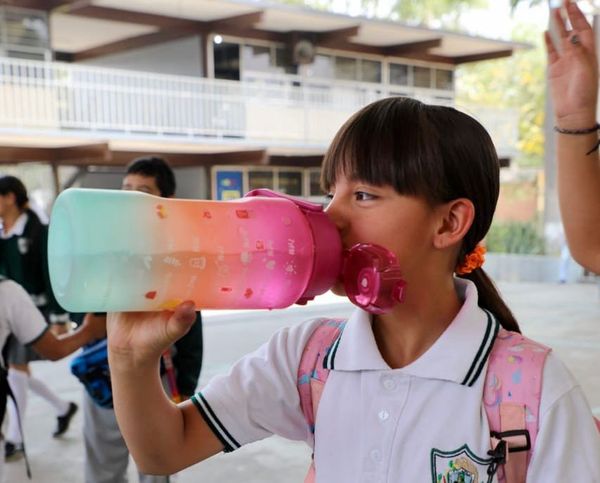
(162, 437)
(573, 79)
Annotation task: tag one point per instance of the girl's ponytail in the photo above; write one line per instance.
(490, 299)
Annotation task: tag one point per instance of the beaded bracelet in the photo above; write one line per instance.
(580, 132)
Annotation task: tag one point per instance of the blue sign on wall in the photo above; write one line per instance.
(230, 185)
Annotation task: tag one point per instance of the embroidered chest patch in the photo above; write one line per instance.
(458, 466)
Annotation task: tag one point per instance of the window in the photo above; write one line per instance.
(315, 183)
(256, 58)
(283, 61)
(260, 179)
(400, 74)
(444, 79)
(370, 71)
(346, 69)
(422, 77)
(290, 182)
(322, 67)
(227, 61)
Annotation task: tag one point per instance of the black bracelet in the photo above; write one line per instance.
(594, 149)
(577, 132)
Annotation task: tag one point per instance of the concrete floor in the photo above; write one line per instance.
(565, 317)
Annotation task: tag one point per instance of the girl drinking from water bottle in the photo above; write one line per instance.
(406, 395)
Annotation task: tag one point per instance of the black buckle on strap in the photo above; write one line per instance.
(512, 433)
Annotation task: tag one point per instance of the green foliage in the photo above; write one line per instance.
(516, 82)
(515, 237)
(445, 13)
(514, 3)
(426, 12)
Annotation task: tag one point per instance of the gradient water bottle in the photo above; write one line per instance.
(114, 250)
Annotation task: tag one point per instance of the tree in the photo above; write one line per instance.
(516, 82)
(426, 12)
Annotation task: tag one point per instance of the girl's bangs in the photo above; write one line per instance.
(383, 144)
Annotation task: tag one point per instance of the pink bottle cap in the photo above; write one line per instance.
(327, 262)
(372, 278)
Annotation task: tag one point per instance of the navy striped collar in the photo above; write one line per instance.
(459, 354)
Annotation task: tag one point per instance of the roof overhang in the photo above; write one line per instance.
(64, 151)
(83, 29)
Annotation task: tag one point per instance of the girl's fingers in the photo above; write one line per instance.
(185, 312)
(550, 48)
(577, 18)
(559, 23)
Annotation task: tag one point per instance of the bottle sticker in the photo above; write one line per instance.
(198, 262)
(174, 262)
(161, 211)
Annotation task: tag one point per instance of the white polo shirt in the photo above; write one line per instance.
(422, 423)
(18, 316)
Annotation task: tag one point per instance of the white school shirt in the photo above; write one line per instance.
(423, 423)
(18, 316)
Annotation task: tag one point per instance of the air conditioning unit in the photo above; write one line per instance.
(303, 52)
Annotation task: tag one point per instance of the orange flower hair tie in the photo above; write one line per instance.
(472, 261)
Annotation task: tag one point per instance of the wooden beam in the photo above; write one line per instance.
(85, 8)
(463, 59)
(170, 28)
(254, 34)
(304, 161)
(253, 157)
(45, 5)
(324, 38)
(399, 50)
(138, 42)
(74, 155)
(99, 151)
(242, 22)
(24, 154)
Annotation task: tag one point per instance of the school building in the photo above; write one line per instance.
(235, 94)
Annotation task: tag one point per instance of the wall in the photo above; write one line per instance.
(191, 182)
(179, 57)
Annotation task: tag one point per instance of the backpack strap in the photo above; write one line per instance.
(512, 393)
(312, 373)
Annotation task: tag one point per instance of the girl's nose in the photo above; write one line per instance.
(335, 214)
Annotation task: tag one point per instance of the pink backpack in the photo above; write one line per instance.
(511, 397)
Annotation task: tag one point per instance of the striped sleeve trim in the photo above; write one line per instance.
(491, 331)
(329, 360)
(229, 442)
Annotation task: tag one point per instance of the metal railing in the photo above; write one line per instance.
(283, 110)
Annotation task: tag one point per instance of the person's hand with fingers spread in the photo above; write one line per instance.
(573, 70)
(573, 82)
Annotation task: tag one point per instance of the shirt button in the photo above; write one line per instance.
(376, 455)
(383, 415)
(389, 383)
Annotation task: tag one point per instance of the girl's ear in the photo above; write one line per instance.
(455, 220)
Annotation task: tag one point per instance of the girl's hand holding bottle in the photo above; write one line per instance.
(145, 342)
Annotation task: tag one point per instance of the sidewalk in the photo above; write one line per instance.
(566, 317)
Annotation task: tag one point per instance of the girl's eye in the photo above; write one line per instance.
(363, 196)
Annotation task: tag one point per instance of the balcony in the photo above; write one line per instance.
(77, 100)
